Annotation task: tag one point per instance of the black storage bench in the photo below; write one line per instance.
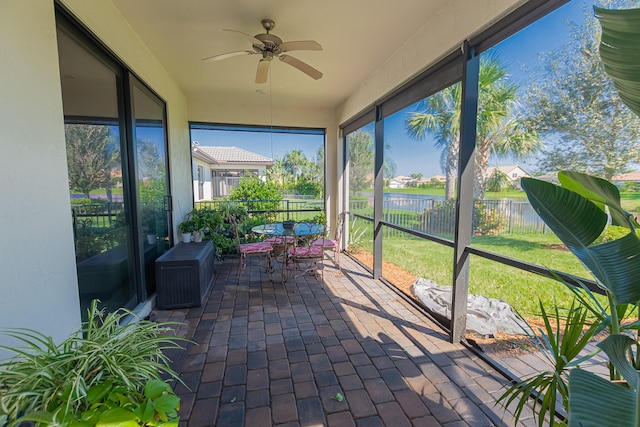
(184, 274)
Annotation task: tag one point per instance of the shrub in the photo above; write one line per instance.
(440, 219)
(254, 191)
(487, 221)
(630, 186)
(306, 187)
(611, 233)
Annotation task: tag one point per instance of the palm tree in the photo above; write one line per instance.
(295, 160)
(498, 129)
(498, 181)
(440, 114)
(277, 173)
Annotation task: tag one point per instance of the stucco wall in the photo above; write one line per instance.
(38, 282)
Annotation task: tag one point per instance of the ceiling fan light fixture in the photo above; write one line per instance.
(268, 24)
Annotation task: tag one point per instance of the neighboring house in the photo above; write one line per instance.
(394, 183)
(439, 178)
(513, 172)
(626, 177)
(217, 169)
(402, 181)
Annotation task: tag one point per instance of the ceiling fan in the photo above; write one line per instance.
(270, 46)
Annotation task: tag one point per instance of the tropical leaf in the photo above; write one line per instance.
(617, 348)
(575, 220)
(619, 52)
(578, 222)
(616, 265)
(597, 402)
(599, 191)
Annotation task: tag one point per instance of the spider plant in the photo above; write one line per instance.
(107, 353)
(562, 340)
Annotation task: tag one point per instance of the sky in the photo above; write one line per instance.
(518, 53)
(272, 145)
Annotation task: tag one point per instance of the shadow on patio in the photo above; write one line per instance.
(269, 355)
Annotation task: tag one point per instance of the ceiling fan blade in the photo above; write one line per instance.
(228, 55)
(300, 45)
(263, 71)
(250, 37)
(302, 66)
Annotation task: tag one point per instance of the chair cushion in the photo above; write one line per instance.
(328, 243)
(256, 248)
(306, 251)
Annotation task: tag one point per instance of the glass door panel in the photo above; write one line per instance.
(95, 143)
(151, 179)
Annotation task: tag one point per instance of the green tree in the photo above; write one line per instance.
(150, 163)
(575, 104)
(499, 129)
(361, 157)
(92, 156)
(418, 176)
(316, 167)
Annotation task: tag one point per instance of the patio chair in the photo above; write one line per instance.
(333, 244)
(258, 249)
(305, 252)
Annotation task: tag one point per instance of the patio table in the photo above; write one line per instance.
(281, 236)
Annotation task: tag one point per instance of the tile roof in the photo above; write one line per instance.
(233, 155)
(631, 176)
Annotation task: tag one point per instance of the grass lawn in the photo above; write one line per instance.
(630, 201)
(491, 279)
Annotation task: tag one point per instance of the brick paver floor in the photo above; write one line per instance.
(271, 354)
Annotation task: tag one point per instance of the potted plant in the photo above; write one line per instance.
(206, 220)
(152, 218)
(187, 227)
(107, 373)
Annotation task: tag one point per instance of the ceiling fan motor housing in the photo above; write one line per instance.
(271, 43)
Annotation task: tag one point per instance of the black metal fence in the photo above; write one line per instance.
(438, 216)
(278, 210)
(88, 217)
(427, 215)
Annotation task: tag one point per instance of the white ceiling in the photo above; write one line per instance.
(357, 36)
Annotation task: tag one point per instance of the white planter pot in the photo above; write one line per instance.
(197, 236)
(186, 237)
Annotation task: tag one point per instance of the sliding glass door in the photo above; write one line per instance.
(117, 165)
